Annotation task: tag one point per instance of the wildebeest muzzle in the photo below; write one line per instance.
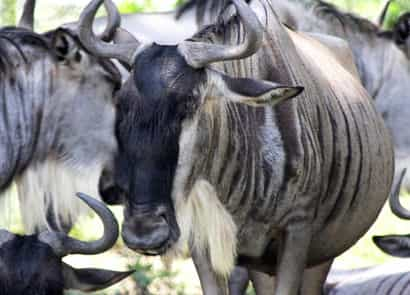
(150, 229)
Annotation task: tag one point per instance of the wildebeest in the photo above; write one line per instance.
(56, 121)
(383, 69)
(212, 151)
(32, 265)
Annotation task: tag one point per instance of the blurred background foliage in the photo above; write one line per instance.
(151, 277)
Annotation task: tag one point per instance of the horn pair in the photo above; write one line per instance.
(63, 245)
(197, 54)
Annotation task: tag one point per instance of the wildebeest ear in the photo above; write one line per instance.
(249, 91)
(91, 279)
(395, 245)
(65, 46)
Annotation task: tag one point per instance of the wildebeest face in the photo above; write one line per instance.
(85, 93)
(60, 100)
(151, 110)
(169, 88)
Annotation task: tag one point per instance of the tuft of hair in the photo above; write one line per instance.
(207, 227)
(47, 194)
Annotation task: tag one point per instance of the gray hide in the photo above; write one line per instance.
(391, 278)
(317, 154)
(383, 67)
(56, 122)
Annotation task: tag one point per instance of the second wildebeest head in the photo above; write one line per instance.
(158, 110)
(57, 121)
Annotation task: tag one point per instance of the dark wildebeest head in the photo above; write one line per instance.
(401, 29)
(32, 265)
(57, 119)
(157, 108)
(401, 33)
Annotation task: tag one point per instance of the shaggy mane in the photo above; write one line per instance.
(348, 20)
(18, 38)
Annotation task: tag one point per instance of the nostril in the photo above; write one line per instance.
(112, 195)
(146, 233)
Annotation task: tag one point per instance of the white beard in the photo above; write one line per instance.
(53, 185)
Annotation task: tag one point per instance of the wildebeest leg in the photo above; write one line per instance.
(210, 282)
(294, 246)
(263, 283)
(238, 281)
(314, 279)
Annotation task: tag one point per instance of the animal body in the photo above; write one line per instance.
(218, 156)
(383, 67)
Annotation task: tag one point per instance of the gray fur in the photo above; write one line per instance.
(52, 111)
(289, 214)
(383, 68)
(337, 150)
(392, 279)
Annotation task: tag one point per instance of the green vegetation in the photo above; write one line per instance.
(397, 8)
(146, 276)
(8, 12)
(130, 6)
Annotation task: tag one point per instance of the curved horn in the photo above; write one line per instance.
(27, 18)
(113, 21)
(382, 16)
(64, 245)
(199, 54)
(123, 52)
(394, 200)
